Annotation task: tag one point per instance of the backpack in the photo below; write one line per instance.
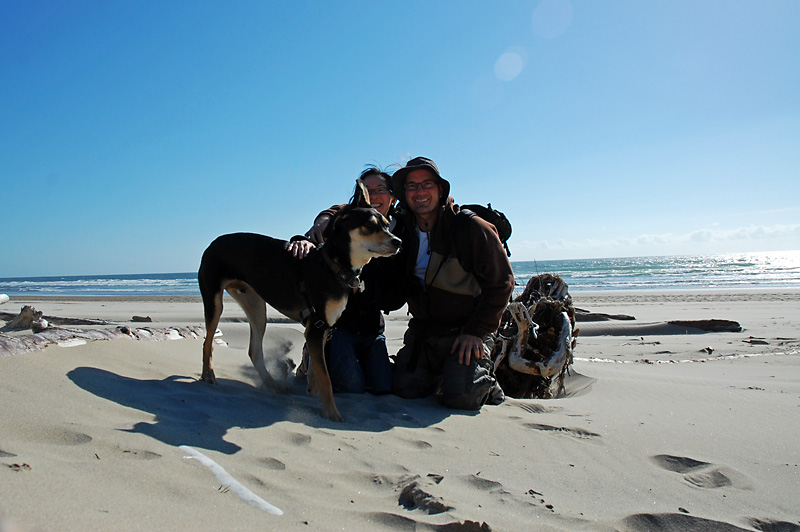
(494, 217)
(459, 239)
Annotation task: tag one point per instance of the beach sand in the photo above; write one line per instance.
(661, 429)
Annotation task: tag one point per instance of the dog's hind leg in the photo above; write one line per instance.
(255, 308)
(212, 307)
(319, 380)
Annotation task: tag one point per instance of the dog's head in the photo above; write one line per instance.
(360, 233)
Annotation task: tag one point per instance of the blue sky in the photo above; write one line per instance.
(133, 133)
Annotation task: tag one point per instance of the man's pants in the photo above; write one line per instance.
(425, 366)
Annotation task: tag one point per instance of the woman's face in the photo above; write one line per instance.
(379, 196)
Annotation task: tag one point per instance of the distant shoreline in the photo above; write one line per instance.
(637, 293)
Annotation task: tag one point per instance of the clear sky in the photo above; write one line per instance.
(132, 133)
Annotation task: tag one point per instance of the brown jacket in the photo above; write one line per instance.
(452, 297)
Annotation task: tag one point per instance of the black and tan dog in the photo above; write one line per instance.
(257, 269)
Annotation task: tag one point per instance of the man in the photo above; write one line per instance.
(453, 310)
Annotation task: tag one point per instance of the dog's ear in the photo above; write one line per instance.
(361, 195)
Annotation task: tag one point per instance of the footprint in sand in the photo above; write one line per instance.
(669, 521)
(484, 484)
(701, 474)
(534, 408)
(136, 454)
(678, 464)
(297, 439)
(572, 432)
(273, 464)
(418, 444)
(65, 437)
(4, 454)
(711, 479)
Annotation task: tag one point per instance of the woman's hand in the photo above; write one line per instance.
(300, 248)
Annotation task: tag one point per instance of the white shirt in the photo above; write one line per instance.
(423, 255)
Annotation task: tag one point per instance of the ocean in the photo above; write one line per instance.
(698, 272)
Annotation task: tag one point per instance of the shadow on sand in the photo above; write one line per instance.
(194, 413)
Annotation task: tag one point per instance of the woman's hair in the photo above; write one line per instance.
(370, 170)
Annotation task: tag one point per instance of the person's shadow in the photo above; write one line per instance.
(194, 413)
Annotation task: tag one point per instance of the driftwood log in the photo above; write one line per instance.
(535, 340)
(26, 317)
(16, 344)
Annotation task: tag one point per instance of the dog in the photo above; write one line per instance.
(257, 270)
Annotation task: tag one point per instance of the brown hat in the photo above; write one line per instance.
(417, 163)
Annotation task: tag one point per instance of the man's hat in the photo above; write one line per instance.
(417, 163)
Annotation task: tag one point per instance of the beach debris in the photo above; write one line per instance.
(708, 349)
(39, 325)
(20, 467)
(4, 298)
(464, 526)
(11, 344)
(142, 319)
(540, 499)
(755, 341)
(414, 496)
(229, 483)
(535, 340)
(59, 320)
(709, 325)
(640, 341)
(585, 315)
(24, 319)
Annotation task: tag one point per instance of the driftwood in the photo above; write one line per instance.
(585, 315)
(26, 317)
(535, 340)
(710, 325)
(15, 344)
(47, 331)
(58, 320)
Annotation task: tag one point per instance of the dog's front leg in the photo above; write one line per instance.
(319, 379)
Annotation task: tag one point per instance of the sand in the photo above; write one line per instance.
(659, 431)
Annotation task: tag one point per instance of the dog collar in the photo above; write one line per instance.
(347, 276)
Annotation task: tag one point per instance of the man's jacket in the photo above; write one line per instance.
(451, 297)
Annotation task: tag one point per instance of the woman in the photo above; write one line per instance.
(357, 357)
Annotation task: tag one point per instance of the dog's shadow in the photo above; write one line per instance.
(190, 412)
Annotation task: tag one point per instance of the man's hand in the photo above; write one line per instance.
(315, 233)
(300, 248)
(467, 345)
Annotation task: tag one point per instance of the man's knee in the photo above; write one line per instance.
(467, 387)
(409, 385)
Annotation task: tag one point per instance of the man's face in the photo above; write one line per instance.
(422, 192)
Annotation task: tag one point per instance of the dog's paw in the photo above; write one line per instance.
(208, 376)
(333, 415)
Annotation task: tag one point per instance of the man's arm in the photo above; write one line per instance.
(494, 275)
